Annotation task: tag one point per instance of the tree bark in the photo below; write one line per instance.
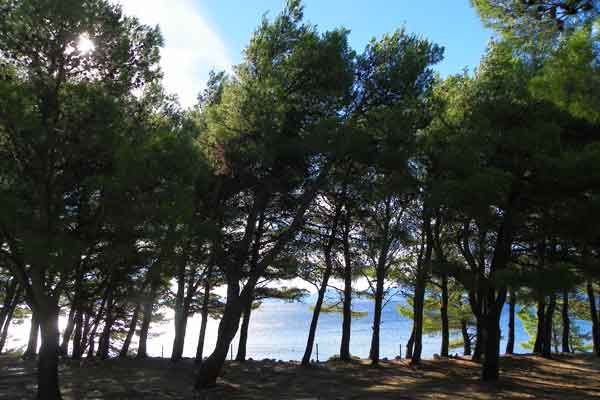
(204, 322)
(510, 344)
(210, 368)
(147, 314)
(241, 353)
(548, 325)
(539, 337)
(48, 388)
(347, 306)
(8, 319)
(466, 338)
(410, 344)
(419, 300)
(131, 331)
(491, 362)
(315, 318)
(374, 352)
(444, 316)
(32, 343)
(566, 323)
(64, 346)
(104, 341)
(77, 336)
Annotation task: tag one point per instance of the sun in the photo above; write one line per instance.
(84, 44)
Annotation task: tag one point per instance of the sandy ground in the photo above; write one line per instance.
(523, 377)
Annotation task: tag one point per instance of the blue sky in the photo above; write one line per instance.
(201, 35)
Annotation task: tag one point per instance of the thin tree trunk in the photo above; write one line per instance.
(466, 337)
(104, 341)
(182, 306)
(491, 359)
(419, 300)
(204, 322)
(444, 316)
(131, 331)
(11, 288)
(510, 344)
(77, 336)
(548, 325)
(315, 318)
(539, 337)
(87, 327)
(566, 323)
(32, 343)
(7, 320)
(241, 353)
(347, 306)
(64, 346)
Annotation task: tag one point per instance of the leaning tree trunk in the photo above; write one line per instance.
(130, 331)
(444, 317)
(410, 344)
(548, 322)
(566, 323)
(183, 300)
(315, 317)
(32, 343)
(7, 321)
(510, 344)
(594, 318)
(466, 338)
(64, 346)
(211, 367)
(9, 296)
(539, 337)
(48, 387)
(241, 353)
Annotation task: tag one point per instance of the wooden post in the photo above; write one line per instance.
(400, 350)
(317, 352)
(231, 351)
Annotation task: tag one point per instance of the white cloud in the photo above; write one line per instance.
(192, 48)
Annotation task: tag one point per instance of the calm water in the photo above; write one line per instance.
(279, 330)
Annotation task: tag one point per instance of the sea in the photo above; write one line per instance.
(278, 330)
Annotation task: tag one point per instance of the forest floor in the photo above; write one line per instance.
(522, 377)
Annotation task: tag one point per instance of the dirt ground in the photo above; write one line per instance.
(523, 377)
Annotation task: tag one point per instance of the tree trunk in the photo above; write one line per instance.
(77, 345)
(8, 320)
(87, 327)
(48, 387)
(410, 344)
(423, 264)
(539, 337)
(418, 304)
(594, 318)
(64, 346)
(180, 329)
(11, 289)
(374, 352)
(510, 344)
(104, 342)
(241, 353)
(548, 324)
(32, 343)
(566, 323)
(130, 332)
(204, 322)
(147, 316)
(315, 318)
(210, 368)
(466, 337)
(347, 314)
(444, 316)
(479, 340)
(492, 346)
